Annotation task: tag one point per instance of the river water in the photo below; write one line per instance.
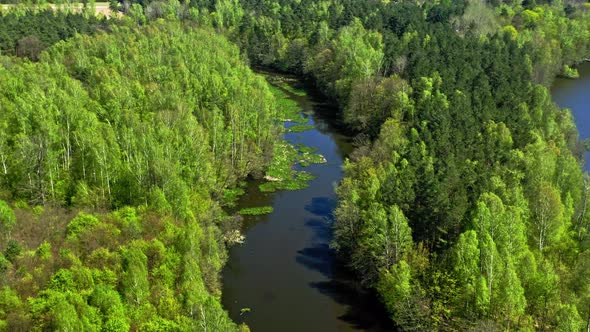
(575, 95)
(285, 273)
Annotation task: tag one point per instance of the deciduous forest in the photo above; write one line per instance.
(122, 140)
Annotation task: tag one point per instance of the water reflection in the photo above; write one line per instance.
(575, 95)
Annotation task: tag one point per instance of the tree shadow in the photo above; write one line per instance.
(364, 311)
(318, 258)
(321, 206)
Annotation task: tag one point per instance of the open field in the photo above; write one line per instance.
(101, 8)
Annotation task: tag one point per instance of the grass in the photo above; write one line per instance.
(256, 211)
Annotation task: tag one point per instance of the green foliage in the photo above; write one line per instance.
(570, 72)
(27, 34)
(152, 139)
(372, 101)
(83, 222)
(230, 196)
(478, 18)
(228, 14)
(7, 218)
(13, 250)
(568, 319)
(395, 285)
(355, 54)
(108, 301)
(466, 208)
(461, 140)
(397, 292)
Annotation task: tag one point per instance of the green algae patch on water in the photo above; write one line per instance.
(299, 128)
(311, 158)
(304, 148)
(289, 109)
(256, 211)
(280, 173)
(286, 84)
(295, 91)
(299, 181)
(280, 168)
(308, 155)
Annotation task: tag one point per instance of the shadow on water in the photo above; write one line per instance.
(364, 310)
(321, 206)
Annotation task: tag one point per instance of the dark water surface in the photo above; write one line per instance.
(285, 272)
(575, 95)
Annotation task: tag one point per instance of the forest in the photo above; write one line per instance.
(115, 151)
(464, 205)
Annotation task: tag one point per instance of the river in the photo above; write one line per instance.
(285, 273)
(575, 95)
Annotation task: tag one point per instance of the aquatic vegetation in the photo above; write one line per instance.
(255, 211)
